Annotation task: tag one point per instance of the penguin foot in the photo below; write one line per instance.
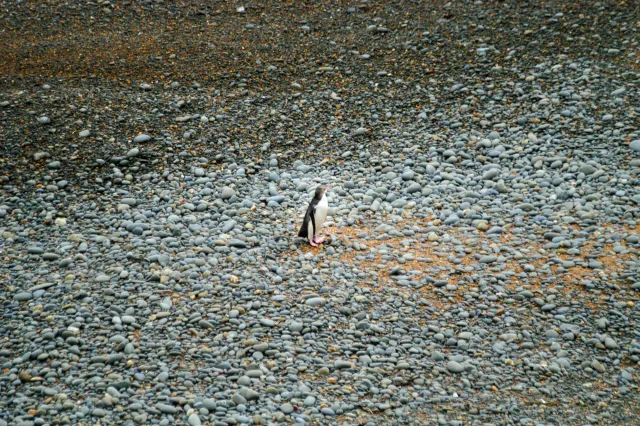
(313, 244)
(318, 240)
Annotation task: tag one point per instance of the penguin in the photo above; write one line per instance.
(315, 216)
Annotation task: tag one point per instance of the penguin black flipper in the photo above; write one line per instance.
(304, 229)
(313, 220)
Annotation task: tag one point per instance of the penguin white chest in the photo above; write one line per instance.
(322, 209)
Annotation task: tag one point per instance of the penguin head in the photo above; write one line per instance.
(320, 191)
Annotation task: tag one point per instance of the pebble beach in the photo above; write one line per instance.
(481, 257)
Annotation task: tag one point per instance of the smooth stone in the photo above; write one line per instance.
(227, 193)
(50, 256)
(286, 408)
(267, 322)
(324, 371)
(495, 230)
(142, 138)
(455, 367)
(316, 301)
(408, 175)
(296, 327)
(166, 408)
(23, 297)
(413, 188)
(491, 174)
(437, 356)
(597, 366)
(205, 324)
(610, 343)
(341, 365)
(209, 403)
(249, 394)
(194, 420)
(587, 169)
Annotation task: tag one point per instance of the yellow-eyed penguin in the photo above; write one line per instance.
(315, 216)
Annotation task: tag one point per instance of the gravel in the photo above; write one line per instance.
(480, 263)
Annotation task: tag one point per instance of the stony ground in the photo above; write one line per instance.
(481, 265)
